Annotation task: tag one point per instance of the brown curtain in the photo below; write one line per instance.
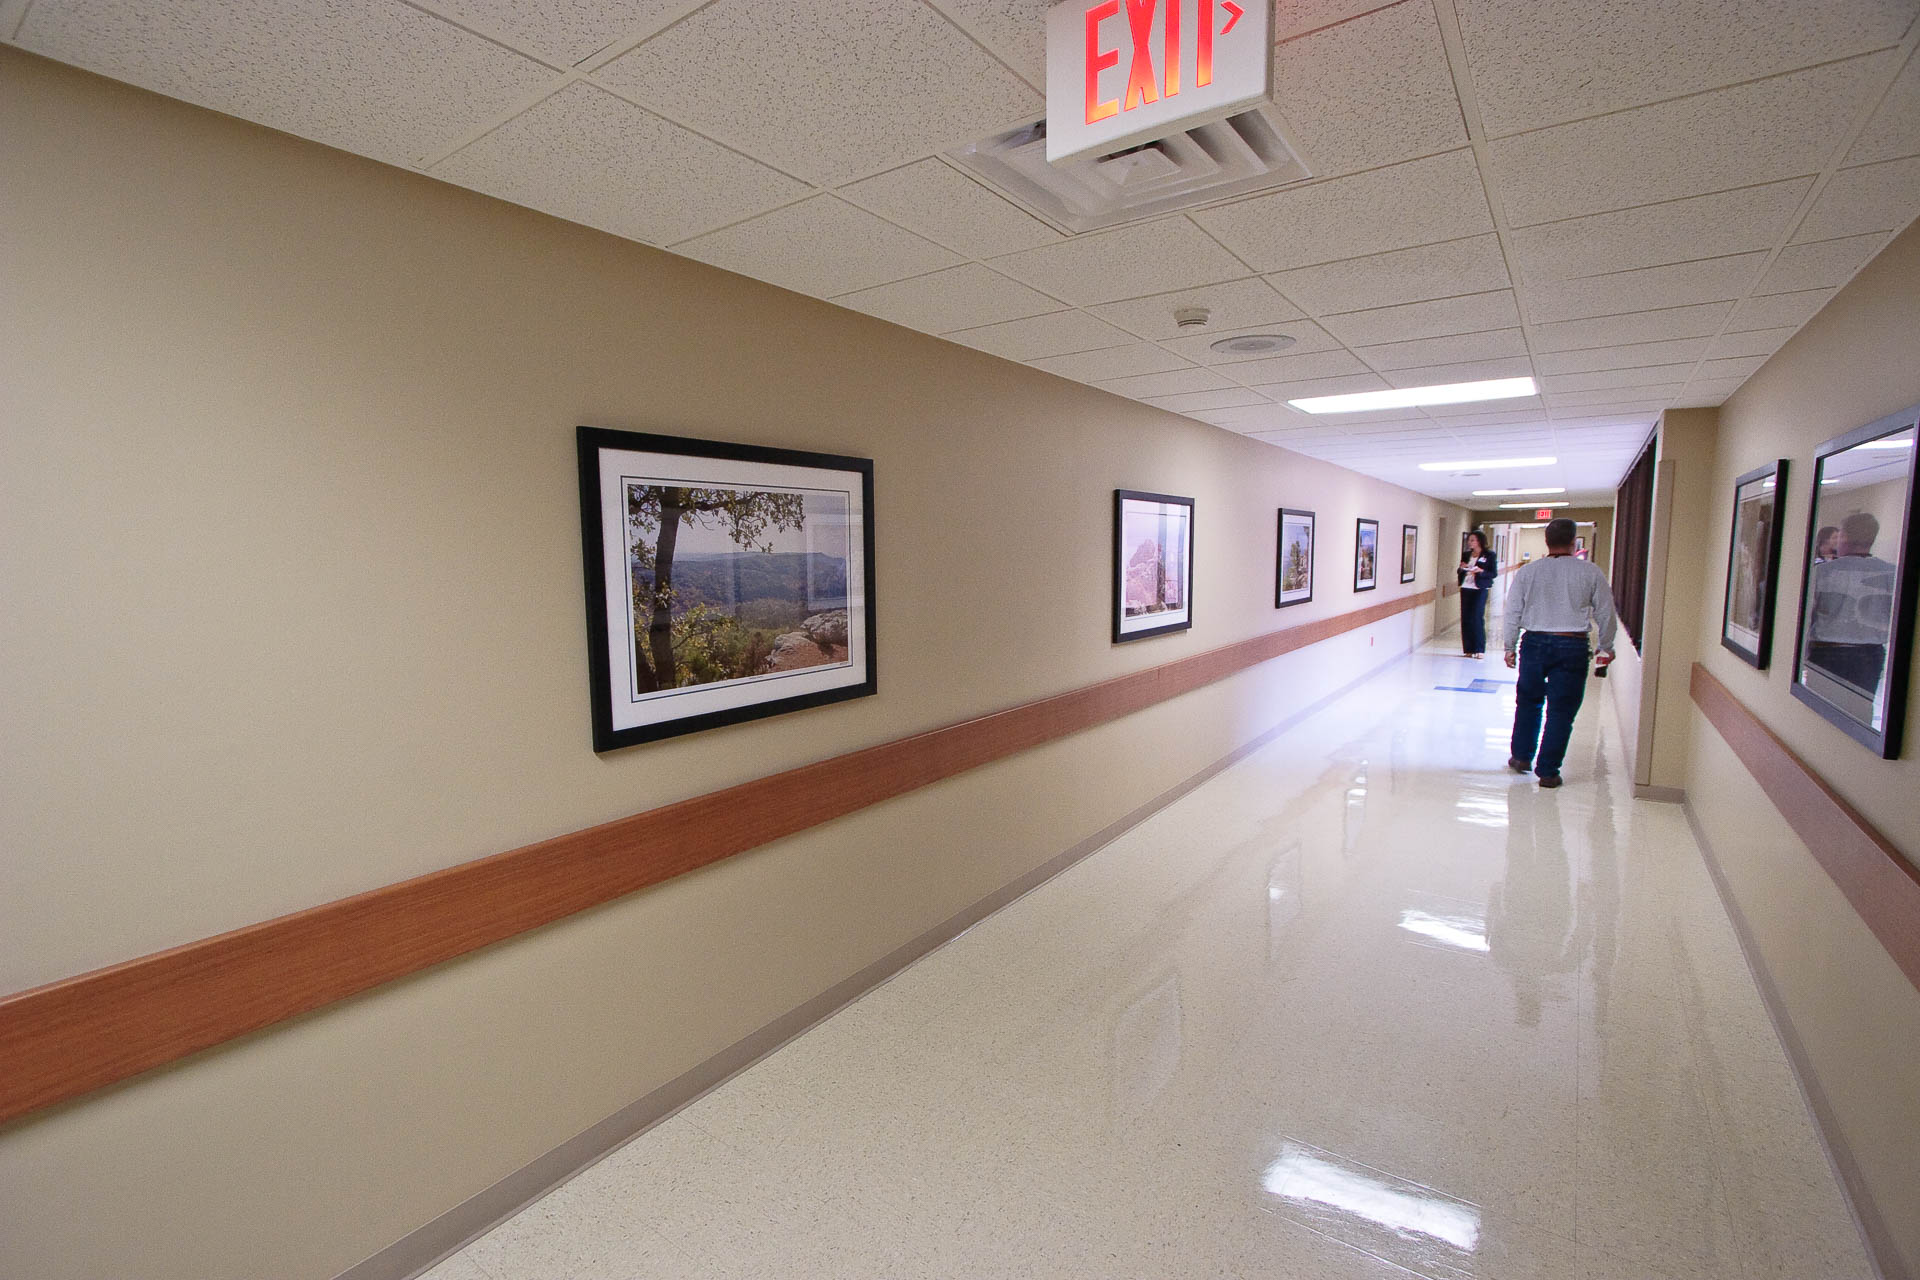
(1632, 531)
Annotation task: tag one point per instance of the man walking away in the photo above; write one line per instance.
(1552, 601)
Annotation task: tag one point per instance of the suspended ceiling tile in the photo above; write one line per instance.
(589, 157)
(1471, 371)
(1275, 369)
(1058, 334)
(1702, 321)
(1014, 30)
(962, 297)
(367, 76)
(1308, 337)
(1454, 349)
(1753, 133)
(1753, 342)
(1562, 382)
(1647, 289)
(1420, 202)
(1448, 412)
(1340, 385)
(1636, 355)
(950, 208)
(1345, 114)
(1106, 266)
(564, 32)
(1874, 197)
(1823, 264)
(1481, 417)
(1706, 394)
(1178, 382)
(1542, 62)
(1234, 399)
(1474, 313)
(1725, 222)
(1235, 306)
(823, 246)
(1617, 399)
(1473, 265)
(1779, 310)
(1894, 130)
(1737, 367)
(828, 92)
(1112, 362)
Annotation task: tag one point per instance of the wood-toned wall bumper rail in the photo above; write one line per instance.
(73, 1036)
(1879, 883)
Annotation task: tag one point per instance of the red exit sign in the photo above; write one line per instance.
(1123, 72)
(1544, 513)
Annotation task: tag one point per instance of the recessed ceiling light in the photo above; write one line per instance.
(1517, 493)
(1252, 344)
(1529, 506)
(1488, 464)
(1408, 397)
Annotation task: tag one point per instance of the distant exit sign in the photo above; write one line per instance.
(1545, 513)
(1123, 72)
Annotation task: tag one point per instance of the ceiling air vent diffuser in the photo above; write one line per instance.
(1229, 157)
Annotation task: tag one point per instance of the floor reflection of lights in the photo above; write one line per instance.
(1349, 1200)
(1481, 809)
(1462, 933)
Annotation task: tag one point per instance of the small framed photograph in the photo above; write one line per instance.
(1152, 564)
(1293, 573)
(1366, 554)
(1409, 552)
(1857, 596)
(1753, 564)
(725, 582)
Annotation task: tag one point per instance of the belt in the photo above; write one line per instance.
(1581, 634)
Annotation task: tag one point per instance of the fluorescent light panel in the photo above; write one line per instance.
(1516, 493)
(1489, 464)
(1409, 397)
(1529, 506)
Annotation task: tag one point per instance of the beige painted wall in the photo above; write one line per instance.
(1858, 1017)
(288, 497)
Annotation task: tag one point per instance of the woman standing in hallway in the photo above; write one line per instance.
(1477, 572)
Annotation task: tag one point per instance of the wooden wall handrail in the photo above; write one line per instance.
(1878, 881)
(79, 1034)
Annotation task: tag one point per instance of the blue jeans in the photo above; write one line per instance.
(1553, 673)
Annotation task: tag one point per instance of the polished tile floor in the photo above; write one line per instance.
(1364, 1005)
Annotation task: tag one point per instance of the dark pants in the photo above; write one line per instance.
(1473, 621)
(1553, 673)
(1860, 665)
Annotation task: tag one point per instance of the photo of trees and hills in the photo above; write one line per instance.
(735, 584)
(1155, 544)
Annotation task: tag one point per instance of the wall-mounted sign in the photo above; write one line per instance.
(1123, 72)
(1543, 514)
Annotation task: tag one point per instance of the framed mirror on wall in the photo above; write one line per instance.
(1855, 636)
(1753, 564)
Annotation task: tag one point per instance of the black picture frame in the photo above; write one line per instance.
(1409, 552)
(1886, 741)
(1283, 595)
(792, 494)
(1366, 554)
(1165, 515)
(1749, 636)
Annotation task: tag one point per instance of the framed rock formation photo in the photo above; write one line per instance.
(1152, 564)
(725, 582)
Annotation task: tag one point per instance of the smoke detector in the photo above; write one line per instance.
(1252, 344)
(1190, 317)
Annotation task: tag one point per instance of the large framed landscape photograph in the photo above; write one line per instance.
(1293, 574)
(1855, 631)
(1152, 564)
(1366, 554)
(725, 582)
(1753, 564)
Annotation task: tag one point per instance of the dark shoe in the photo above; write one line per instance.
(1549, 781)
(1518, 765)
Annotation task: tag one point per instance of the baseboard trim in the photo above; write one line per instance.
(1660, 795)
(428, 1246)
(1882, 1252)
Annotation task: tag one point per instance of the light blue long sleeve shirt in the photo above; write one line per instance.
(1559, 593)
